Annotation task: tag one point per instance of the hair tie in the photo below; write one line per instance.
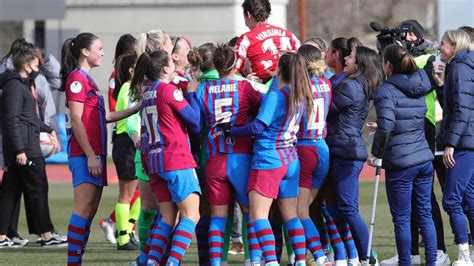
(73, 41)
(404, 53)
(233, 64)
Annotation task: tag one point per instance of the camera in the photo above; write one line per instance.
(388, 36)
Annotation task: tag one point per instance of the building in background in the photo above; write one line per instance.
(200, 20)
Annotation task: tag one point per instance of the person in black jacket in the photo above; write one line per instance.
(401, 108)
(457, 134)
(349, 109)
(24, 164)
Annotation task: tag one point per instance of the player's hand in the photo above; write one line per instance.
(253, 77)
(21, 159)
(371, 126)
(55, 142)
(226, 129)
(136, 140)
(272, 73)
(437, 76)
(94, 165)
(193, 85)
(448, 157)
(371, 160)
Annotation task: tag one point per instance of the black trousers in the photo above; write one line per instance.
(32, 182)
(430, 133)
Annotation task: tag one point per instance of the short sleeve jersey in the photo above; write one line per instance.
(313, 124)
(262, 47)
(168, 140)
(227, 101)
(81, 87)
(180, 81)
(276, 146)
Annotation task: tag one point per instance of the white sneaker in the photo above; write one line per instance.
(338, 263)
(442, 258)
(322, 261)
(6, 243)
(18, 241)
(108, 228)
(464, 258)
(354, 262)
(393, 261)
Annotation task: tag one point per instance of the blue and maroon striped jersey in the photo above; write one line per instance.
(227, 101)
(167, 145)
(81, 87)
(313, 123)
(276, 146)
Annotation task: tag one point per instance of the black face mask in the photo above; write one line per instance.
(33, 74)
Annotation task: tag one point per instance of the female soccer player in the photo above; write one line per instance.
(275, 165)
(263, 45)
(201, 58)
(147, 42)
(407, 158)
(457, 134)
(87, 135)
(166, 114)
(226, 101)
(349, 108)
(313, 151)
(179, 54)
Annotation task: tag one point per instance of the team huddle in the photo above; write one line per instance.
(276, 126)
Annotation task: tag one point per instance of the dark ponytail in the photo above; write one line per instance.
(149, 65)
(292, 70)
(123, 63)
(202, 58)
(224, 59)
(401, 60)
(71, 53)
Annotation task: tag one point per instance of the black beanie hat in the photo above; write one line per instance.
(415, 27)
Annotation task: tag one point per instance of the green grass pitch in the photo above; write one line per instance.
(100, 252)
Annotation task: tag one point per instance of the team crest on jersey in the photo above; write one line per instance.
(178, 95)
(112, 83)
(75, 87)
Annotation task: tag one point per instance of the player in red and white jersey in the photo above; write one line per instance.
(263, 45)
(179, 54)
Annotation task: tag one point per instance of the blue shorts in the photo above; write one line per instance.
(226, 173)
(180, 184)
(80, 172)
(314, 160)
(278, 183)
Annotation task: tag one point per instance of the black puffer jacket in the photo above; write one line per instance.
(401, 110)
(20, 123)
(349, 109)
(457, 128)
